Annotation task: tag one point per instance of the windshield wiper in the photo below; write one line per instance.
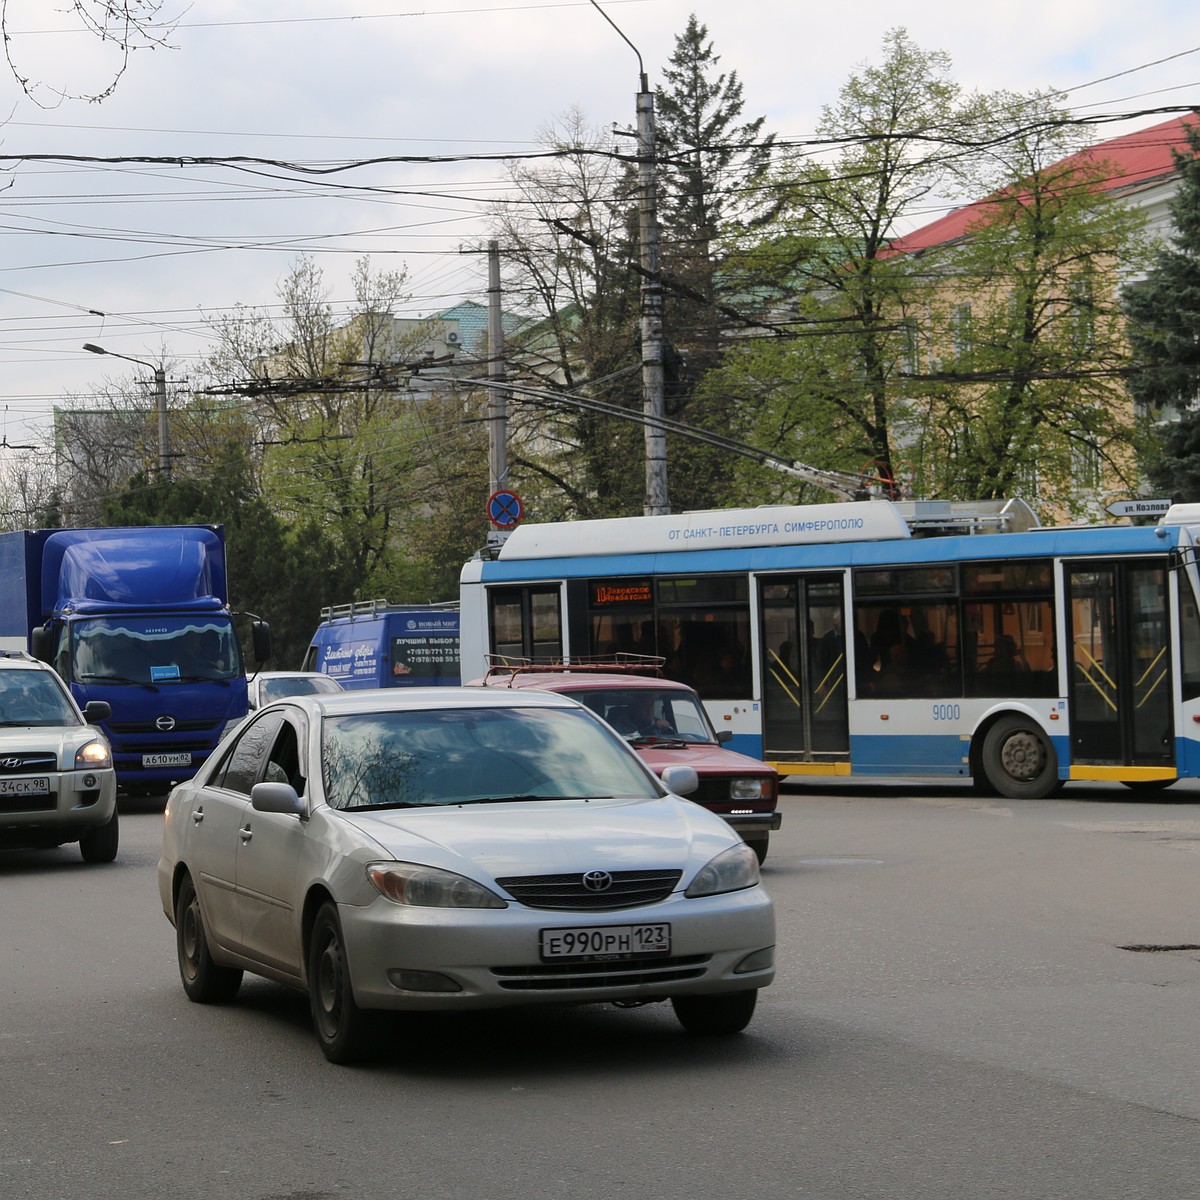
(121, 679)
(656, 739)
(199, 679)
(518, 799)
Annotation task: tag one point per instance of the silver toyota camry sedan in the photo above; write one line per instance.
(457, 848)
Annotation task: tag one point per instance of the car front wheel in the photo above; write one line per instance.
(343, 1029)
(99, 845)
(727, 1013)
(205, 981)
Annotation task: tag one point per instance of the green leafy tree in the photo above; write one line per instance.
(1024, 351)
(1164, 332)
(825, 380)
(284, 575)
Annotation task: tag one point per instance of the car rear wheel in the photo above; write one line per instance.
(99, 845)
(204, 981)
(727, 1013)
(343, 1029)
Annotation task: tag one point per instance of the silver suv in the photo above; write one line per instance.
(57, 782)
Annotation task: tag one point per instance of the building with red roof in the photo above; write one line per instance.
(1139, 168)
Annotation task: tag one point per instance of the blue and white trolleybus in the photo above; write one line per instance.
(879, 639)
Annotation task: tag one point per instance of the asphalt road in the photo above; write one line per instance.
(956, 1016)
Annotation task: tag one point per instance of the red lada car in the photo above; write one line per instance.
(666, 724)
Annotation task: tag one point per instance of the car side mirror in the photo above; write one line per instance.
(724, 735)
(680, 780)
(277, 798)
(96, 710)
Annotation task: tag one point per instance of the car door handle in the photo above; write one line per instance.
(198, 815)
(245, 833)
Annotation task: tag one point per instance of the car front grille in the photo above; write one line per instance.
(35, 762)
(620, 973)
(627, 889)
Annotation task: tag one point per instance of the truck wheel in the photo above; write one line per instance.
(715, 1016)
(1019, 761)
(205, 981)
(99, 845)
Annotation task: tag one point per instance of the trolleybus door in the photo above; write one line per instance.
(1120, 664)
(803, 666)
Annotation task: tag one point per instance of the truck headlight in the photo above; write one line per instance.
(95, 756)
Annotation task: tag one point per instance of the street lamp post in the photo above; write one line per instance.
(160, 393)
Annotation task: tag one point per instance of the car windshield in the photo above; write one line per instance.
(418, 758)
(660, 713)
(295, 685)
(33, 698)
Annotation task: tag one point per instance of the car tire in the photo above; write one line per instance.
(342, 1028)
(759, 846)
(1019, 760)
(99, 845)
(204, 981)
(726, 1013)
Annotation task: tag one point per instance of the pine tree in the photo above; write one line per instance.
(712, 178)
(1164, 331)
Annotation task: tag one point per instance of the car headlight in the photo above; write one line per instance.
(94, 756)
(746, 789)
(730, 871)
(429, 887)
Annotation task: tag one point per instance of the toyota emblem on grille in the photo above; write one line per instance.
(597, 881)
(164, 724)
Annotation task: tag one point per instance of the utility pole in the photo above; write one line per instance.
(653, 400)
(497, 423)
(653, 393)
(164, 449)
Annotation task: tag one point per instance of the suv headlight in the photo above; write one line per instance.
(95, 756)
(746, 789)
(730, 871)
(429, 887)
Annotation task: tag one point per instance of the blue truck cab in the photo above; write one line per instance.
(139, 618)
(371, 644)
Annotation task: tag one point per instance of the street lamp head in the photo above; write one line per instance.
(93, 349)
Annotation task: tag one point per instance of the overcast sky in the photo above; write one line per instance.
(153, 248)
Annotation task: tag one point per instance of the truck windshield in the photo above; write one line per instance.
(154, 650)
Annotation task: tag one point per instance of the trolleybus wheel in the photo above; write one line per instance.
(1019, 761)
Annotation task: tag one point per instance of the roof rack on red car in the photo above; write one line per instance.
(622, 662)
